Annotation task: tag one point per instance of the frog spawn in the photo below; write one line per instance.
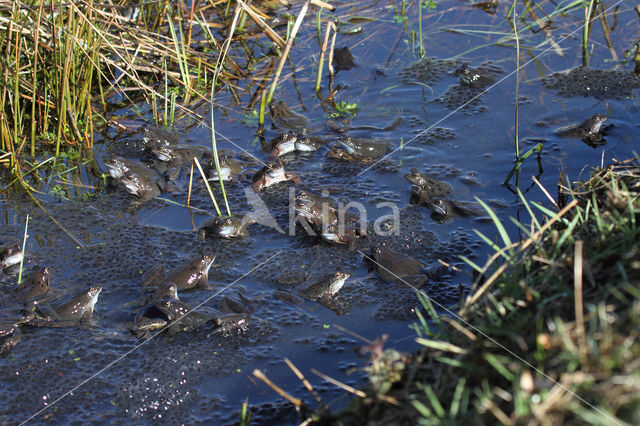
(601, 84)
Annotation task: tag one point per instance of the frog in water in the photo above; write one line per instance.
(120, 166)
(34, 289)
(10, 255)
(154, 137)
(360, 149)
(229, 168)
(137, 178)
(184, 318)
(320, 210)
(283, 118)
(395, 267)
(271, 174)
(10, 328)
(589, 131)
(431, 186)
(69, 314)
(326, 287)
(474, 78)
(226, 227)
(320, 290)
(194, 274)
(140, 187)
(343, 59)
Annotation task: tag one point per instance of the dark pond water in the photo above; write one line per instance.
(103, 372)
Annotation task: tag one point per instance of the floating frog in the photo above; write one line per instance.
(326, 287)
(229, 168)
(178, 154)
(34, 289)
(453, 208)
(326, 210)
(10, 255)
(120, 166)
(154, 137)
(283, 144)
(589, 131)
(474, 77)
(68, 314)
(271, 174)
(283, 118)
(10, 328)
(148, 320)
(184, 318)
(365, 148)
(431, 186)
(139, 186)
(343, 59)
(395, 267)
(320, 290)
(226, 227)
(194, 274)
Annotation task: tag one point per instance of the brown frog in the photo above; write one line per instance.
(589, 131)
(226, 227)
(429, 185)
(282, 117)
(343, 59)
(230, 169)
(194, 274)
(395, 267)
(68, 314)
(271, 174)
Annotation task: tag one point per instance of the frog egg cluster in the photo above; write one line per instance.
(433, 136)
(600, 84)
(428, 70)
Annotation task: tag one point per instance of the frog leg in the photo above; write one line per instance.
(11, 341)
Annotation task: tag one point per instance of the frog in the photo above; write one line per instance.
(120, 166)
(148, 319)
(589, 131)
(476, 78)
(429, 186)
(143, 188)
(79, 308)
(343, 59)
(194, 274)
(178, 154)
(326, 287)
(335, 233)
(444, 208)
(10, 328)
(325, 210)
(183, 318)
(395, 267)
(365, 148)
(272, 173)
(229, 168)
(10, 255)
(283, 144)
(283, 118)
(34, 289)
(320, 290)
(228, 227)
(154, 137)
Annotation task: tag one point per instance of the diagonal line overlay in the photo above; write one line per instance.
(139, 345)
(522, 360)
